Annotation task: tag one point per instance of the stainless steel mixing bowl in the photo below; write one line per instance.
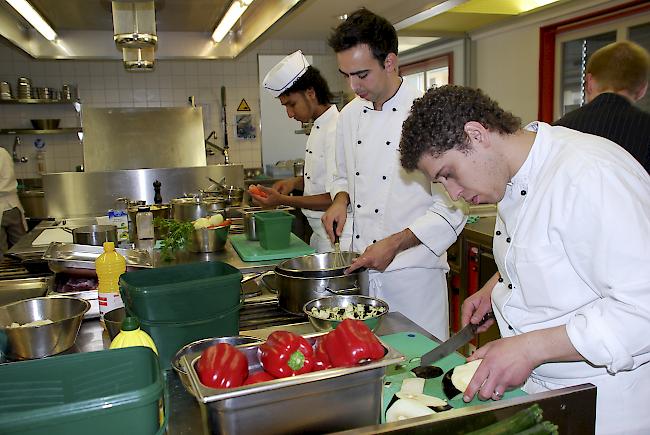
(342, 301)
(29, 342)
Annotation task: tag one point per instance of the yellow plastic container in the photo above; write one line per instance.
(110, 266)
(131, 335)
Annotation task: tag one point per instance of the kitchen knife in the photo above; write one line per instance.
(455, 341)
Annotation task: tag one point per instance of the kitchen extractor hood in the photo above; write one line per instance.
(134, 24)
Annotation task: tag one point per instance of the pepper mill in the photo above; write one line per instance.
(157, 198)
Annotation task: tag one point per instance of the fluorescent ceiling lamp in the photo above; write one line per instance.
(34, 18)
(236, 9)
(432, 12)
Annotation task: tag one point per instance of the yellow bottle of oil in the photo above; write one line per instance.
(131, 335)
(109, 265)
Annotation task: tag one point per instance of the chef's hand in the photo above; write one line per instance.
(337, 212)
(285, 187)
(376, 256)
(478, 305)
(273, 197)
(506, 365)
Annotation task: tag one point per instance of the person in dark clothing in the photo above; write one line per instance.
(616, 77)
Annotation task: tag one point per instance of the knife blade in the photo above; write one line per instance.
(454, 342)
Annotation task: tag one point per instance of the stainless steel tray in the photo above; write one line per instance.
(14, 290)
(323, 401)
(63, 256)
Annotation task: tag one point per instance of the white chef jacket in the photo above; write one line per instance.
(572, 242)
(8, 195)
(319, 165)
(385, 199)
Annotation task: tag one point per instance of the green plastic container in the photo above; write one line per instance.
(109, 392)
(273, 228)
(186, 292)
(171, 336)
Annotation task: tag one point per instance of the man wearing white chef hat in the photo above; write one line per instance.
(402, 227)
(304, 93)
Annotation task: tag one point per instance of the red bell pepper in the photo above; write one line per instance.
(261, 376)
(286, 354)
(321, 359)
(351, 343)
(222, 366)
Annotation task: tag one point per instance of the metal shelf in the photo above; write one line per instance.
(36, 101)
(16, 131)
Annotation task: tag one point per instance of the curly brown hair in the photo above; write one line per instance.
(437, 120)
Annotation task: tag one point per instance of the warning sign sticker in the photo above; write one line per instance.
(243, 106)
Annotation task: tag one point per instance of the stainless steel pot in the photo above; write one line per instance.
(320, 278)
(190, 209)
(94, 235)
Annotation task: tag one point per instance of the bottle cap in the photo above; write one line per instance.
(130, 324)
(109, 246)
(143, 208)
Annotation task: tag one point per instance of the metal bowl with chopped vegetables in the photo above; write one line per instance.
(326, 313)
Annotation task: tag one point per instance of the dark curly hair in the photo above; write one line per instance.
(437, 120)
(312, 78)
(365, 27)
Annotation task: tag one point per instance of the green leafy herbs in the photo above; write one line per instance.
(177, 236)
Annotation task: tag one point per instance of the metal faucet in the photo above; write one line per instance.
(222, 149)
(17, 159)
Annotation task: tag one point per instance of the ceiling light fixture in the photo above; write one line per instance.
(431, 12)
(34, 18)
(235, 11)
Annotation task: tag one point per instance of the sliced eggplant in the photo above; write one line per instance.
(428, 372)
(457, 379)
(404, 409)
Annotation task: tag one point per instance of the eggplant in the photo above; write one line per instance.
(428, 372)
(457, 379)
(404, 409)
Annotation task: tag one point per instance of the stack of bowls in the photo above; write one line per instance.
(24, 88)
(5, 91)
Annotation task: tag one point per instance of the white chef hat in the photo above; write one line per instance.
(285, 73)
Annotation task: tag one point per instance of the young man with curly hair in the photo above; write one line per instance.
(571, 242)
(306, 96)
(401, 227)
(616, 78)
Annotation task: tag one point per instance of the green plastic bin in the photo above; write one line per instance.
(171, 336)
(109, 392)
(186, 292)
(274, 229)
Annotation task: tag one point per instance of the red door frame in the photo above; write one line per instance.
(547, 37)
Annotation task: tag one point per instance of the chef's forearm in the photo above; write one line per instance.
(404, 240)
(341, 198)
(550, 345)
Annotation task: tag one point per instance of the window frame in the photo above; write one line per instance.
(437, 61)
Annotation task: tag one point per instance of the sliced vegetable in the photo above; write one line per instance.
(222, 366)
(215, 220)
(404, 409)
(286, 354)
(428, 372)
(413, 389)
(261, 376)
(351, 343)
(413, 386)
(352, 311)
(201, 223)
(457, 379)
(516, 423)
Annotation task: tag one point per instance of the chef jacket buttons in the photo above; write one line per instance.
(383, 177)
(357, 236)
(510, 286)
(508, 240)
(498, 233)
(376, 210)
(310, 152)
(523, 192)
(500, 279)
(318, 126)
(358, 205)
(357, 173)
(365, 110)
(359, 142)
(374, 241)
(309, 178)
(387, 142)
(510, 327)
(394, 109)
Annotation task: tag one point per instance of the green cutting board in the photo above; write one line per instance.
(250, 250)
(413, 345)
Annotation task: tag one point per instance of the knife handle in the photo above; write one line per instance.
(489, 315)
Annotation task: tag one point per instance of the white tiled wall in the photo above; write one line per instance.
(107, 84)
